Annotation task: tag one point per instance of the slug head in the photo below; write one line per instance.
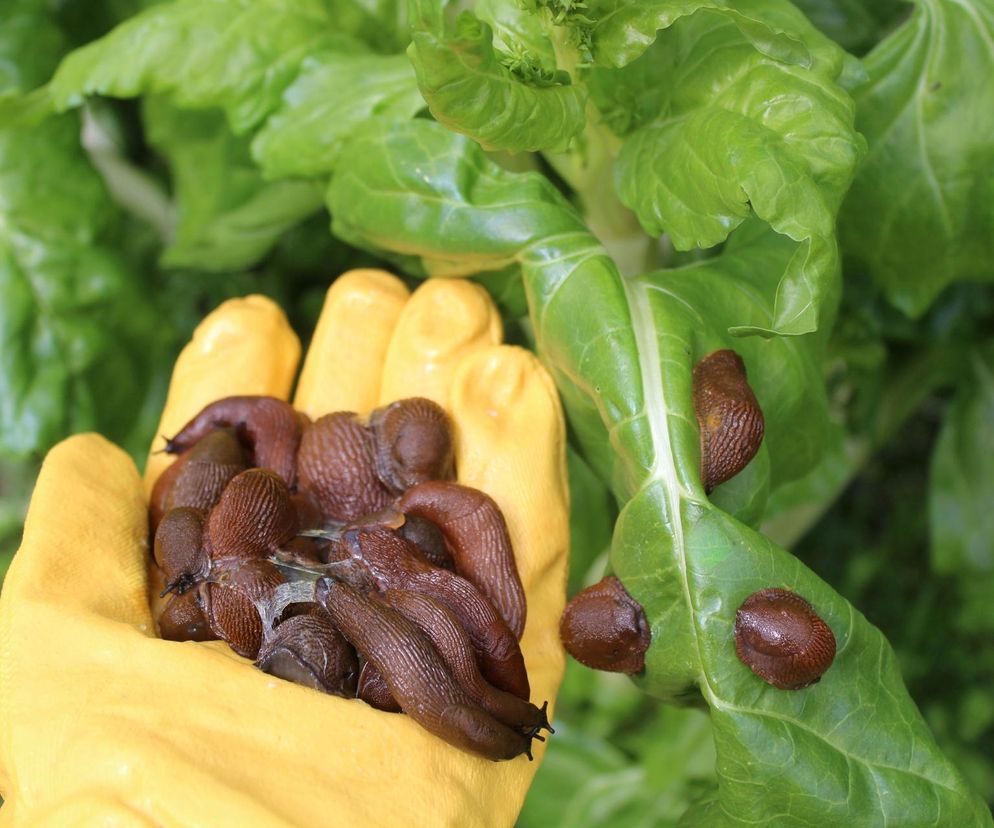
(413, 439)
(179, 549)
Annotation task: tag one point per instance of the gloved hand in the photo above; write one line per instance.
(103, 723)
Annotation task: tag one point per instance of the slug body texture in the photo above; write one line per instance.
(728, 415)
(780, 637)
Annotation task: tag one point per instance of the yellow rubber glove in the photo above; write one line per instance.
(102, 723)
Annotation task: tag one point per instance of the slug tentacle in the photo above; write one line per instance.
(476, 535)
(729, 417)
(442, 628)
(415, 674)
(604, 628)
(780, 637)
(336, 466)
(253, 518)
(394, 563)
(268, 425)
(413, 440)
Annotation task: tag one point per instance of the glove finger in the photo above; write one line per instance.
(511, 446)
(245, 346)
(444, 320)
(85, 537)
(344, 362)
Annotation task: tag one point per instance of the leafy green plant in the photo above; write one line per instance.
(649, 181)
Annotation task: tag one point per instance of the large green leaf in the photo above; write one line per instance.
(850, 750)
(920, 214)
(322, 107)
(470, 90)
(740, 134)
(227, 216)
(202, 54)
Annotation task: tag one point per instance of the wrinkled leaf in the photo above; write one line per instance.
(468, 89)
(852, 749)
(920, 214)
(623, 29)
(202, 54)
(741, 134)
(333, 95)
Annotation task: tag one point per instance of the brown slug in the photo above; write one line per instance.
(182, 619)
(269, 425)
(393, 563)
(429, 540)
(198, 475)
(307, 649)
(231, 598)
(476, 537)
(780, 637)
(335, 466)
(415, 674)
(413, 443)
(729, 417)
(179, 549)
(253, 518)
(374, 691)
(604, 628)
(447, 635)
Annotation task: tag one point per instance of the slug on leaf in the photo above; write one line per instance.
(604, 628)
(729, 417)
(780, 637)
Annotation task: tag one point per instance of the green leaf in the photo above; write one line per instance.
(961, 481)
(623, 29)
(739, 135)
(228, 217)
(468, 89)
(202, 54)
(919, 216)
(332, 96)
(852, 749)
